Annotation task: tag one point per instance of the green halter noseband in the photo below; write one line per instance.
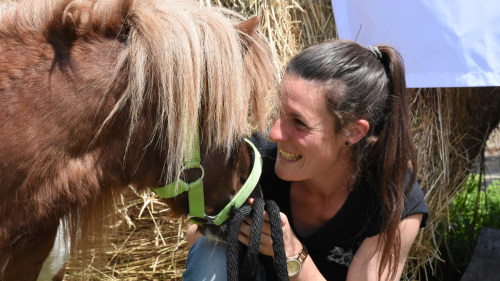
(195, 188)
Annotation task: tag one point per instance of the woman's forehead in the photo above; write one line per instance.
(298, 89)
(302, 98)
(301, 88)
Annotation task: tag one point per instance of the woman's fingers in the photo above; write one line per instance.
(265, 247)
(266, 240)
(245, 228)
(247, 225)
(266, 228)
(248, 220)
(243, 238)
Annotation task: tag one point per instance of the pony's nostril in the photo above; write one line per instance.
(233, 193)
(243, 179)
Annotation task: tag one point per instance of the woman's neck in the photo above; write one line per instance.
(317, 200)
(336, 181)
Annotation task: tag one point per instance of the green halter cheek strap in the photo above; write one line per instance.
(195, 189)
(245, 190)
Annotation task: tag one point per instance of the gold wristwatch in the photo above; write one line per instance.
(294, 264)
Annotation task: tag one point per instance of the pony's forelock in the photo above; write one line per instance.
(191, 64)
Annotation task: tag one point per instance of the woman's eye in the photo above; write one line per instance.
(299, 123)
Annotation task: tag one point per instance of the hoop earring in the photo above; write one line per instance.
(346, 143)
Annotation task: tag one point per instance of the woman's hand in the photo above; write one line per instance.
(292, 243)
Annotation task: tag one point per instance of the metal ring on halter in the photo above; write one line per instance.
(210, 219)
(184, 168)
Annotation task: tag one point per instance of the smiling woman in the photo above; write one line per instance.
(340, 163)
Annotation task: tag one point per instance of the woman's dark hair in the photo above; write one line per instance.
(359, 85)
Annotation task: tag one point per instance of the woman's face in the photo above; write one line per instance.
(308, 146)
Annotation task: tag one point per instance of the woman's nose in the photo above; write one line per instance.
(276, 134)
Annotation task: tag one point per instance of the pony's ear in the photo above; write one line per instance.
(247, 29)
(249, 26)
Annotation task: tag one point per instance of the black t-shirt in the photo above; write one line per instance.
(333, 246)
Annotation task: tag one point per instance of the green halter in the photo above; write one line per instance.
(195, 189)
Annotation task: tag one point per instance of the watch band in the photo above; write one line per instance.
(303, 254)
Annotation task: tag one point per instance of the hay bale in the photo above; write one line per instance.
(149, 243)
(450, 127)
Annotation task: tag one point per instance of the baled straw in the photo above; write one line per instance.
(450, 127)
(148, 243)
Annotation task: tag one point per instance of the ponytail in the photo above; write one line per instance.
(374, 89)
(398, 155)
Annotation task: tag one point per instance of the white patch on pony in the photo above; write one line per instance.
(57, 257)
(341, 256)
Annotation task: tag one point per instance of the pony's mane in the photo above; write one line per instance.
(183, 60)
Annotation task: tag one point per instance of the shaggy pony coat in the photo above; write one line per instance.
(96, 96)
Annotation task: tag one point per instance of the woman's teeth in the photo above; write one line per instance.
(290, 156)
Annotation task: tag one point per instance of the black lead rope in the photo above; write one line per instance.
(249, 268)
(233, 249)
(250, 262)
(277, 236)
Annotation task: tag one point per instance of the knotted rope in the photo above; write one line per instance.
(249, 269)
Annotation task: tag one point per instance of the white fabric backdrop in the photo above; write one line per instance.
(444, 43)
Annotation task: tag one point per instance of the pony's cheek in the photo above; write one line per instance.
(179, 204)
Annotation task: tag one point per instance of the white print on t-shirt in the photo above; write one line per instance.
(341, 256)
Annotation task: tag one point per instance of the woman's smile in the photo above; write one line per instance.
(289, 156)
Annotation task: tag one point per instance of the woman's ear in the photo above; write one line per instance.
(357, 131)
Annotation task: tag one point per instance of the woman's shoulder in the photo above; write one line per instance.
(414, 200)
(367, 210)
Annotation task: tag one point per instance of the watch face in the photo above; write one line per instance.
(293, 267)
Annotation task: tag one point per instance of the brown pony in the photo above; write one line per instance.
(99, 95)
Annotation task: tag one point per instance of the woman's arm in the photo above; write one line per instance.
(192, 235)
(364, 268)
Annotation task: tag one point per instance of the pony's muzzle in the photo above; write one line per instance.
(219, 232)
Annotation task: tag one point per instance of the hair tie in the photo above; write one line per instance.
(375, 51)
